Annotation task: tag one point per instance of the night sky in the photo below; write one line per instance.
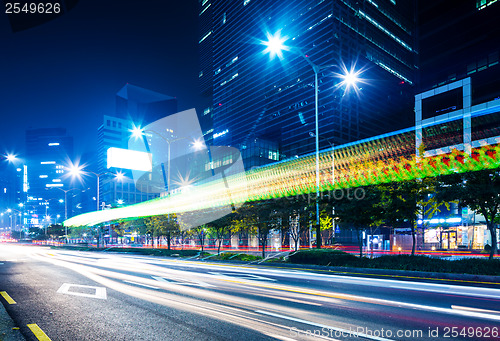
(66, 72)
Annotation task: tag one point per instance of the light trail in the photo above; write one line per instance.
(387, 159)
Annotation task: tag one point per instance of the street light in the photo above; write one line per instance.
(332, 145)
(138, 133)
(65, 208)
(275, 46)
(78, 171)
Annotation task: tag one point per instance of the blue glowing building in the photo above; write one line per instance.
(268, 104)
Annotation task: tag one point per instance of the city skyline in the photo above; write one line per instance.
(66, 72)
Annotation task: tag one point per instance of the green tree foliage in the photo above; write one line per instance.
(221, 228)
(404, 201)
(359, 212)
(480, 191)
(162, 226)
(201, 234)
(260, 217)
(55, 231)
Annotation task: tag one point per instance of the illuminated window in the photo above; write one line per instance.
(204, 9)
(230, 79)
(232, 61)
(43, 176)
(245, 2)
(224, 19)
(53, 144)
(48, 163)
(205, 37)
(482, 4)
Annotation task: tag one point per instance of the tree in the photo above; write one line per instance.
(163, 225)
(404, 201)
(201, 233)
(480, 191)
(360, 213)
(300, 211)
(55, 231)
(258, 216)
(220, 228)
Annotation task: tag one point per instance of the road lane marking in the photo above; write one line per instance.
(282, 298)
(460, 293)
(7, 297)
(40, 335)
(100, 292)
(343, 332)
(475, 309)
(144, 285)
(244, 276)
(182, 281)
(370, 300)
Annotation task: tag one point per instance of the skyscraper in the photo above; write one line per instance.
(135, 107)
(269, 106)
(49, 151)
(459, 103)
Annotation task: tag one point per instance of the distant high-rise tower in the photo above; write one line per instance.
(135, 107)
(49, 151)
(143, 106)
(269, 106)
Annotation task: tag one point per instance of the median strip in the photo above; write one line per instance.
(40, 335)
(7, 297)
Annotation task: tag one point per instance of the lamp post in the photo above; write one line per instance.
(275, 46)
(66, 208)
(10, 210)
(138, 132)
(332, 145)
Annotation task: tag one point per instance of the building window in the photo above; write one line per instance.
(482, 4)
(205, 37)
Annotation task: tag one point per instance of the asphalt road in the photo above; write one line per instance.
(70, 295)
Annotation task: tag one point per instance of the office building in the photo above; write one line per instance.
(256, 98)
(458, 106)
(135, 107)
(49, 153)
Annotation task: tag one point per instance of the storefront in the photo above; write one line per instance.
(457, 237)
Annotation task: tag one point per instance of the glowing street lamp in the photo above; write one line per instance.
(11, 157)
(198, 145)
(275, 46)
(137, 132)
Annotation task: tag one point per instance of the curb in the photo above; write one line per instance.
(7, 333)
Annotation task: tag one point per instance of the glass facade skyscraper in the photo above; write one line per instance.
(49, 152)
(256, 98)
(135, 107)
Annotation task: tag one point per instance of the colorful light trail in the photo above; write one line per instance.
(372, 162)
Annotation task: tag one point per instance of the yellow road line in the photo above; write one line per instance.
(40, 335)
(7, 297)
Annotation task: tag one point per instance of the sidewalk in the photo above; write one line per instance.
(6, 325)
